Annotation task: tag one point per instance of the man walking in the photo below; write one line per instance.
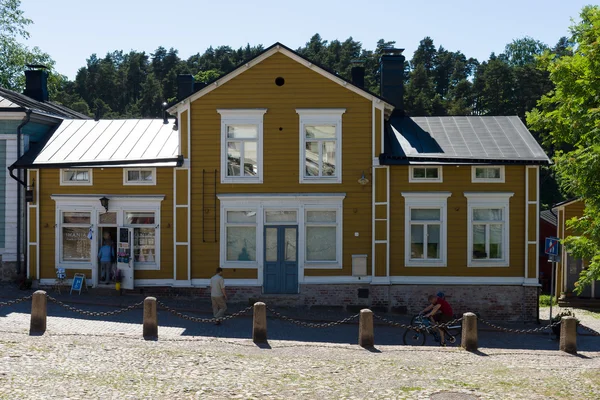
(218, 295)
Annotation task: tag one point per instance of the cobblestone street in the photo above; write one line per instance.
(104, 357)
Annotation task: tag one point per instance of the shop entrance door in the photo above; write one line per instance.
(281, 259)
(108, 235)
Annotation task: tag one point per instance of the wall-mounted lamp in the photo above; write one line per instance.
(363, 180)
(104, 202)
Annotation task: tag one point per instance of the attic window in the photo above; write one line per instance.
(279, 81)
(425, 174)
(489, 174)
(72, 177)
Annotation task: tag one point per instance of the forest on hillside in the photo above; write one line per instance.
(437, 81)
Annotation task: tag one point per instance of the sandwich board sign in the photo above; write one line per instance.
(78, 283)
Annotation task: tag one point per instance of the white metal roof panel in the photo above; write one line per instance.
(6, 103)
(80, 141)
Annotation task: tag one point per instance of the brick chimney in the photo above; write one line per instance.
(36, 82)
(391, 69)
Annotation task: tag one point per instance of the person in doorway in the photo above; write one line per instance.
(108, 240)
(218, 296)
(438, 311)
(106, 254)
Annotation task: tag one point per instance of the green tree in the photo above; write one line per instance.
(14, 56)
(571, 116)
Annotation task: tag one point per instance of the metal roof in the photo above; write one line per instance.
(548, 216)
(464, 139)
(566, 202)
(14, 100)
(6, 103)
(107, 143)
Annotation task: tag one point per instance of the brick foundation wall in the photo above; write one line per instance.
(499, 303)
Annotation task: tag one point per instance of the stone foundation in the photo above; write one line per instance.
(8, 271)
(499, 303)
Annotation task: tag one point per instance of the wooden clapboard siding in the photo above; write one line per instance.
(303, 88)
(457, 180)
(565, 213)
(107, 181)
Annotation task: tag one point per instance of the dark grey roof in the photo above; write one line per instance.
(15, 101)
(548, 216)
(460, 139)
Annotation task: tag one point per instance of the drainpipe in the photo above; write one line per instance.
(22, 183)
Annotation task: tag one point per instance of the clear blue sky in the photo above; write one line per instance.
(71, 30)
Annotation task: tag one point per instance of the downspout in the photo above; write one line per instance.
(22, 183)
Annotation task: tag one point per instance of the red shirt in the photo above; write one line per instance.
(444, 306)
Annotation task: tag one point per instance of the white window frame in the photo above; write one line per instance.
(426, 200)
(63, 182)
(224, 224)
(317, 116)
(337, 263)
(247, 117)
(59, 254)
(127, 182)
(487, 200)
(145, 266)
(412, 168)
(292, 202)
(118, 204)
(474, 178)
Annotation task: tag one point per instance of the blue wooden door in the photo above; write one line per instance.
(281, 259)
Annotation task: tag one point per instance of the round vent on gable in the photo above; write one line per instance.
(279, 81)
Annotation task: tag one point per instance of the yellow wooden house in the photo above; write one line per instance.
(306, 189)
(569, 267)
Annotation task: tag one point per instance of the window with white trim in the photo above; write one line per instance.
(425, 174)
(487, 174)
(323, 236)
(240, 236)
(425, 229)
(75, 243)
(242, 145)
(75, 176)
(488, 229)
(320, 145)
(139, 176)
(145, 237)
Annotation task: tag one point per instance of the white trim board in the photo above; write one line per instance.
(460, 280)
(277, 48)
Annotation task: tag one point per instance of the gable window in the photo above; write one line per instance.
(320, 145)
(425, 174)
(489, 174)
(488, 229)
(425, 229)
(75, 176)
(139, 176)
(242, 145)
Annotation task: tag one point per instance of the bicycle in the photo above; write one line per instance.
(417, 336)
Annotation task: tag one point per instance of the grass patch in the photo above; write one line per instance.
(545, 300)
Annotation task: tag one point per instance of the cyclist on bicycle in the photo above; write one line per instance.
(438, 311)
